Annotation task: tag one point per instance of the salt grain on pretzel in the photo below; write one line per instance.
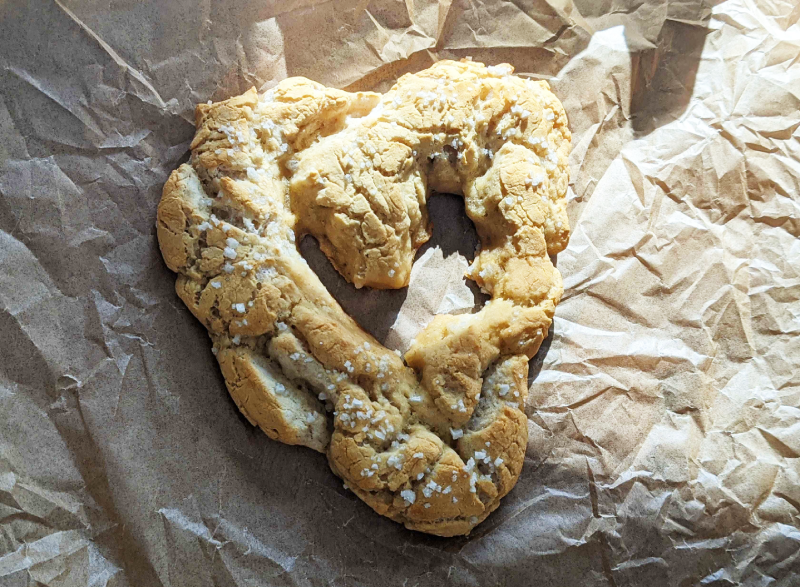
(435, 441)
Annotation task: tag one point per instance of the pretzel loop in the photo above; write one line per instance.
(436, 440)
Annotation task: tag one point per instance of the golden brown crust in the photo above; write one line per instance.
(435, 441)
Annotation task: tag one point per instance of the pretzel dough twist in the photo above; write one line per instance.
(433, 442)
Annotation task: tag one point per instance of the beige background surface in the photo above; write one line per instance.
(665, 409)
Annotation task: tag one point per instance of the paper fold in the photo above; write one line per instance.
(663, 416)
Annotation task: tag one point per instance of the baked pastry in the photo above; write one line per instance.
(433, 441)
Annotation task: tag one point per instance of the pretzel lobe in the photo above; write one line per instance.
(433, 442)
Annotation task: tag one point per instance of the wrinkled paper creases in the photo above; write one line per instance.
(665, 409)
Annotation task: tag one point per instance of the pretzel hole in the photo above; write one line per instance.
(376, 310)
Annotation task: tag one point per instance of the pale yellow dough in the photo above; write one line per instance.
(433, 442)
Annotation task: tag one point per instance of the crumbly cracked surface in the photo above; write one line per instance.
(435, 441)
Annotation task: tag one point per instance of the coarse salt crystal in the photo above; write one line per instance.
(499, 70)
(534, 180)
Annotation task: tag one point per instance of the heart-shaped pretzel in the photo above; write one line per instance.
(436, 440)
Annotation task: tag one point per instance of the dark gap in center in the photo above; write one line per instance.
(376, 310)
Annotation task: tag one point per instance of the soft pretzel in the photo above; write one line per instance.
(433, 441)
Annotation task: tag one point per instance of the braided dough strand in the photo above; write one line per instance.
(435, 441)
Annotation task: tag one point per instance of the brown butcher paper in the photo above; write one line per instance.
(664, 413)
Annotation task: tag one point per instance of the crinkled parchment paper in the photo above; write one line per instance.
(665, 409)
